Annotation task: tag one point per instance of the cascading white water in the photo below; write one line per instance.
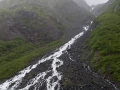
(16, 80)
(38, 81)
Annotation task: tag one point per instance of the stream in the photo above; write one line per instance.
(48, 79)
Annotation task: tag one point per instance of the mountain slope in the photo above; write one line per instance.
(31, 28)
(103, 44)
(82, 3)
(56, 11)
(100, 8)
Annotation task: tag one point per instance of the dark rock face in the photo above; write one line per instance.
(29, 25)
(74, 17)
(41, 29)
(56, 17)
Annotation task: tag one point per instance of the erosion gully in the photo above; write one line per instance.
(48, 73)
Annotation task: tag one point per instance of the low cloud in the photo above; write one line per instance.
(94, 2)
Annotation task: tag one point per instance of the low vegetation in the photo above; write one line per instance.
(16, 54)
(35, 24)
(105, 43)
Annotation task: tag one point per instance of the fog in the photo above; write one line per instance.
(94, 2)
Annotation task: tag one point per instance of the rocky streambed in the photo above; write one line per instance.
(61, 70)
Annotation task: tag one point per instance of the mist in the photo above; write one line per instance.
(91, 2)
(94, 2)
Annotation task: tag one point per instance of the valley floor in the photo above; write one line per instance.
(76, 74)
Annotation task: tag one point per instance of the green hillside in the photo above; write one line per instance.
(32, 28)
(26, 32)
(15, 54)
(104, 43)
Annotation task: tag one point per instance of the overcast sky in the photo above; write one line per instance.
(94, 2)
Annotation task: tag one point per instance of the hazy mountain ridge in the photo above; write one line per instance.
(47, 3)
(100, 8)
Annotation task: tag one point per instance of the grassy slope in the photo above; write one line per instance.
(15, 54)
(105, 43)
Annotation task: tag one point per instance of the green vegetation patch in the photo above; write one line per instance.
(16, 54)
(105, 42)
